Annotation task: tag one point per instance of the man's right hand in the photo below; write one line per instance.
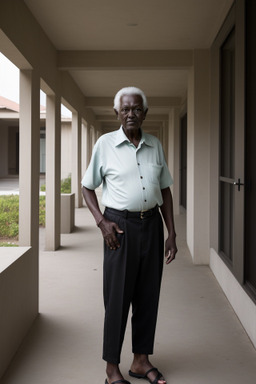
(109, 230)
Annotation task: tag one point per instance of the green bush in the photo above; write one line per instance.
(65, 186)
(9, 212)
(9, 215)
(8, 244)
(42, 211)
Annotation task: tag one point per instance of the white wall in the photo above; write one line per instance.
(244, 307)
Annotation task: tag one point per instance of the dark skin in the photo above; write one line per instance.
(131, 115)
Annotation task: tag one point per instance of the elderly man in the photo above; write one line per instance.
(136, 180)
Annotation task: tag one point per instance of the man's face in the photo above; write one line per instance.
(131, 113)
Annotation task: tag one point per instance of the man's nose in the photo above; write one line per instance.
(131, 113)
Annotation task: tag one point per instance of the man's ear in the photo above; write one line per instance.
(145, 113)
(116, 113)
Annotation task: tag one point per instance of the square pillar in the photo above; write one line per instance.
(53, 172)
(76, 159)
(88, 146)
(29, 180)
(174, 156)
(85, 147)
(29, 159)
(93, 137)
(198, 159)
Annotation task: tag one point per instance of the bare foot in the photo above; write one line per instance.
(113, 373)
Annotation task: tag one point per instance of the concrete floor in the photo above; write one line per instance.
(10, 185)
(199, 339)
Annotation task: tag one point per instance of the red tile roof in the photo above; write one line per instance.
(6, 104)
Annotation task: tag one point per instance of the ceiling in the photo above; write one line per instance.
(134, 25)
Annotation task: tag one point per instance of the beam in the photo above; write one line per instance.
(169, 59)
(150, 117)
(91, 102)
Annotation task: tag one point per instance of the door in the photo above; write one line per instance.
(231, 154)
(250, 145)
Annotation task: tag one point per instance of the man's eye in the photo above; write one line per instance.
(138, 110)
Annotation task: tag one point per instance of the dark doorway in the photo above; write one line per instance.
(250, 145)
(17, 152)
(227, 147)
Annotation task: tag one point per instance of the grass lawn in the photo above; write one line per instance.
(9, 215)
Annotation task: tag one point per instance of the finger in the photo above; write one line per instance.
(113, 243)
(170, 256)
(169, 260)
(118, 230)
(108, 241)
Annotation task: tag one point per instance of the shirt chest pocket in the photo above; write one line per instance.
(153, 173)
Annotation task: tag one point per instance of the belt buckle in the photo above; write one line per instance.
(142, 214)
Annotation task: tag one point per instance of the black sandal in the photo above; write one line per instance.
(155, 381)
(119, 381)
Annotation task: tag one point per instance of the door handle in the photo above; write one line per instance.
(232, 181)
(238, 183)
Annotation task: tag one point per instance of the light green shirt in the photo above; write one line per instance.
(132, 177)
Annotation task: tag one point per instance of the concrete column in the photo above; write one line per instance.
(85, 147)
(53, 173)
(29, 184)
(174, 156)
(198, 158)
(29, 158)
(94, 138)
(91, 143)
(164, 137)
(76, 159)
(88, 146)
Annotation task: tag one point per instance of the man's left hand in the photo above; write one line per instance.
(170, 249)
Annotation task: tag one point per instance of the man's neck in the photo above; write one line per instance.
(133, 135)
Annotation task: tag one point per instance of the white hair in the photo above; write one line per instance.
(130, 91)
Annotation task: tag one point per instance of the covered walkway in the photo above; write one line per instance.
(199, 338)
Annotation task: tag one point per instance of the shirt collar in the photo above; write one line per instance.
(121, 138)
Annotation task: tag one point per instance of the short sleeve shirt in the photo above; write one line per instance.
(132, 178)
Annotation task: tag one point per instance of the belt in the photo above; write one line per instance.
(130, 214)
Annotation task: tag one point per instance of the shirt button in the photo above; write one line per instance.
(138, 163)
(144, 188)
(145, 201)
(141, 177)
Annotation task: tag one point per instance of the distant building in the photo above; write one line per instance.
(9, 143)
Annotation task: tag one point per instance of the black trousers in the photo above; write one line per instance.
(132, 276)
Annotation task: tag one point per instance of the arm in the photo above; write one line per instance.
(167, 212)
(107, 228)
